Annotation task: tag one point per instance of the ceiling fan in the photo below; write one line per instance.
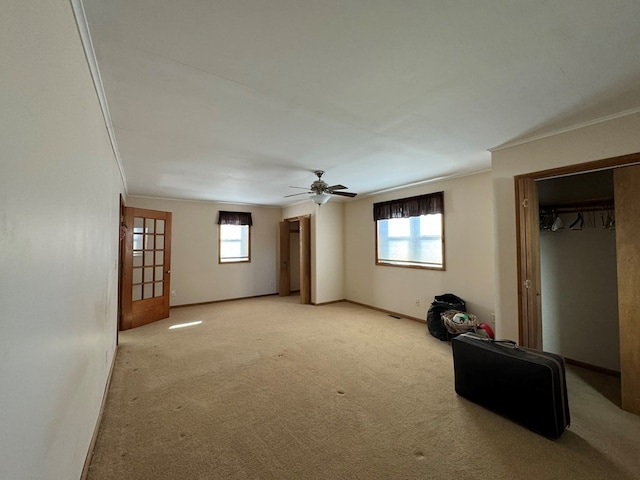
(321, 191)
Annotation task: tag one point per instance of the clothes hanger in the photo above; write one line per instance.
(578, 223)
(557, 224)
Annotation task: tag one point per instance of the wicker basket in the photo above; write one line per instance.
(464, 322)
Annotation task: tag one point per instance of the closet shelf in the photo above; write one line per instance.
(581, 206)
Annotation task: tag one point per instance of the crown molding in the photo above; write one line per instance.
(90, 55)
(560, 131)
(427, 181)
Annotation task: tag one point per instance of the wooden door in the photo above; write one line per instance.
(305, 259)
(147, 267)
(627, 206)
(529, 286)
(284, 283)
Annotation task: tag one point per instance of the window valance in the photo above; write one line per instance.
(234, 218)
(429, 204)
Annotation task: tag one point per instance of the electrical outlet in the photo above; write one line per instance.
(492, 321)
(173, 293)
(417, 303)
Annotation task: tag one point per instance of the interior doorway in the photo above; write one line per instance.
(627, 262)
(295, 257)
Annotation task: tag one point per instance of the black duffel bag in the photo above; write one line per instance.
(442, 303)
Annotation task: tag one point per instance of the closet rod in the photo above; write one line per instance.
(583, 206)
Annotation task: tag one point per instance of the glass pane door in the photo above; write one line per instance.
(148, 258)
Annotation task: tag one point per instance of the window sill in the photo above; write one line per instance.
(411, 265)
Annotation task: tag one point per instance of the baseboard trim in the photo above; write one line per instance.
(94, 438)
(594, 368)
(221, 301)
(328, 303)
(389, 312)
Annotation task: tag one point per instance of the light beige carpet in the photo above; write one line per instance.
(267, 388)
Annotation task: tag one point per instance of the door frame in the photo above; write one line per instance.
(528, 262)
(284, 283)
(528, 258)
(122, 234)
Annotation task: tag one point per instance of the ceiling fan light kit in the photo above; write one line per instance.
(321, 192)
(320, 198)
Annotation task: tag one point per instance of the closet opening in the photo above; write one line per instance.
(294, 254)
(578, 272)
(540, 222)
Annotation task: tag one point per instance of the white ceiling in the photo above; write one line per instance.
(235, 100)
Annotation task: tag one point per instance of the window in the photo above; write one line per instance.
(409, 232)
(234, 237)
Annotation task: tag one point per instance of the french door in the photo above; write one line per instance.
(146, 268)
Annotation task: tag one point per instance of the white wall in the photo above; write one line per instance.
(59, 202)
(619, 136)
(468, 250)
(329, 253)
(196, 275)
(300, 210)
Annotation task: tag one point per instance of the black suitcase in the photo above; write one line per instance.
(527, 386)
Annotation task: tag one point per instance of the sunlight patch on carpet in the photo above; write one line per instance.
(182, 325)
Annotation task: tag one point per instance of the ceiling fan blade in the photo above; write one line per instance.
(344, 194)
(294, 194)
(320, 187)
